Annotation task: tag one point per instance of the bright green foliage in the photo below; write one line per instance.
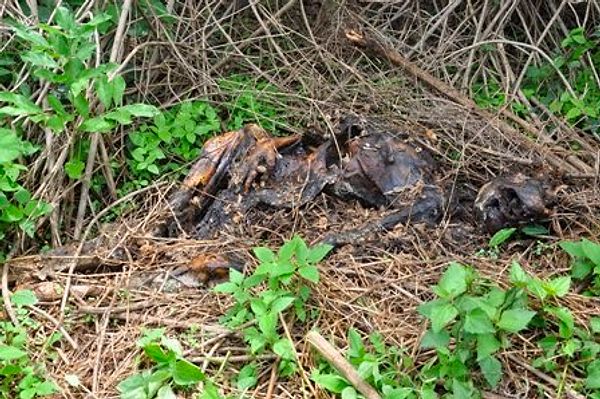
(480, 319)
(383, 367)
(278, 285)
(17, 207)
(252, 102)
(174, 137)
(20, 377)
(586, 262)
(171, 370)
(579, 108)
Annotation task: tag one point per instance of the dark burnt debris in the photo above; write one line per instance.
(362, 161)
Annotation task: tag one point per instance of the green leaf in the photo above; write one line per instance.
(491, 369)
(23, 298)
(10, 146)
(318, 253)
(310, 273)
(442, 315)
(141, 110)
(515, 320)
(287, 250)
(74, 169)
(439, 340)
(247, 377)
(349, 393)
(595, 325)
(96, 125)
(534, 230)
(478, 322)
(8, 353)
(591, 250)
(155, 352)
(104, 90)
(575, 249)
(461, 390)
(559, 286)
(331, 382)
(501, 236)
(582, 267)
(566, 322)
(118, 85)
(39, 59)
(267, 324)
(285, 349)
(592, 380)
(186, 373)
(518, 276)
(356, 348)
(166, 392)
(264, 254)
(281, 304)
(453, 282)
(536, 287)
(487, 344)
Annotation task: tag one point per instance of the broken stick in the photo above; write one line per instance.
(335, 358)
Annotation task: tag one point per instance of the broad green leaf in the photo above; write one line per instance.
(349, 393)
(141, 110)
(453, 281)
(210, 391)
(23, 298)
(356, 348)
(487, 344)
(501, 236)
(566, 322)
(595, 325)
(318, 253)
(591, 250)
(582, 267)
(247, 377)
(592, 380)
(573, 248)
(478, 322)
(166, 392)
(331, 382)
(155, 352)
(235, 276)
(39, 59)
(281, 304)
(226, 288)
(558, 286)
(8, 353)
(534, 230)
(118, 85)
(518, 276)
(104, 90)
(287, 250)
(461, 389)
(515, 320)
(74, 169)
(536, 287)
(437, 340)
(442, 315)
(310, 273)
(96, 125)
(267, 324)
(10, 146)
(264, 254)
(491, 369)
(284, 349)
(186, 373)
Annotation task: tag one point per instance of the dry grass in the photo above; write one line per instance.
(300, 47)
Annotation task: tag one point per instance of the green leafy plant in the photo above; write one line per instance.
(173, 137)
(17, 207)
(262, 299)
(20, 376)
(480, 318)
(170, 370)
(384, 367)
(586, 263)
